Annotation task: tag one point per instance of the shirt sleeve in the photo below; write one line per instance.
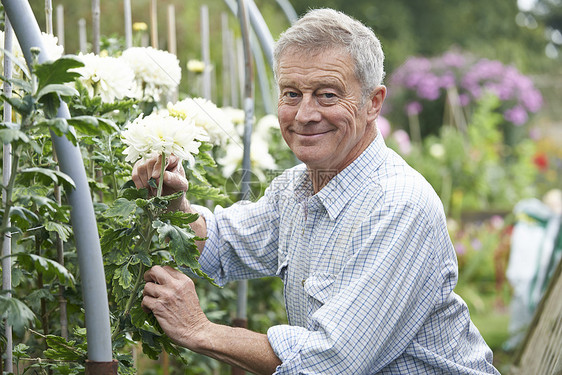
(241, 240)
(386, 292)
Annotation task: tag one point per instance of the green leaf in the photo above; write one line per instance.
(180, 241)
(23, 85)
(85, 124)
(62, 350)
(64, 231)
(60, 127)
(49, 267)
(23, 217)
(134, 193)
(16, 313)
(58, 89)
(20, 351)
(107, 125)
(45, 176)
(208, 192)
(23, 213)
(8, 136)
(17, 61)
(121, 208)
(24, 106)
(56, 72)
(179, 218)
(138, 316)
(124, 276)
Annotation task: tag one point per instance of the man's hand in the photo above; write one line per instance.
(174, 178)
(172, 298)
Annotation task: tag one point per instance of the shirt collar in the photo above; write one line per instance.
(349, 182)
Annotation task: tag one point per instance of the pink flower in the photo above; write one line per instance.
(403, 140)
(413, 108)
(384, 126)
(516, 115)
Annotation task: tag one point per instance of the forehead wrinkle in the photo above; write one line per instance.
(296, 75)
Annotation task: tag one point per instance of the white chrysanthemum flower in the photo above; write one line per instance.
(50, 42)
(260, 158)
(196, 66)
(236, 115)
(206, 115)
(265, 124)
(157, 72)
(109, 77)
(160, 133)
(437, 150)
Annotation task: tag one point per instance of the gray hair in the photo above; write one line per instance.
(324, 29)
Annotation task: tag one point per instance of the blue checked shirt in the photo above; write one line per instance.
(368, 269)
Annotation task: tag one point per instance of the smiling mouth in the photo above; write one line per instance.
(312, 134)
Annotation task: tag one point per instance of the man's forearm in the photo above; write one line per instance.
(248, 350)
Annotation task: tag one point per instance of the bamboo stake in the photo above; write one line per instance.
(241, 74)
(205, 52)
(49, 16)
(234, 82)
(60, 24)
(172, 44)
(82, 38)
(128, 23)
(6, 168)
(225, 59)
(153, 24)
(96, 26)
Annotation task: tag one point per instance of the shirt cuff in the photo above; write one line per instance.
(287, 342)
(210, 259)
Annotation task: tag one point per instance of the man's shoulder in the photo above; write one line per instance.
(401, 183)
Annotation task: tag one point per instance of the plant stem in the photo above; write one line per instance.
(161, 179)
(113, 178)
(146, 242)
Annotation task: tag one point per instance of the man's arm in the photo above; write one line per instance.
(171, 296)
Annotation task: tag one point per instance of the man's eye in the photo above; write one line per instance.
(290, 97)
(327, 98)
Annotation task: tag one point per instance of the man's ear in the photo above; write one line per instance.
(376, 101)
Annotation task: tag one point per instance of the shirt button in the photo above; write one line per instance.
(303, 280)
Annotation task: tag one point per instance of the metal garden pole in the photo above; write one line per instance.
(258, 26)
(205, 51)
(241, 319)
(128, 23)
(96, 27)
(60, 24)
(82, 211)
(288, 10)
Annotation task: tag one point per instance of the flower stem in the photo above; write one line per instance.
(161, 179)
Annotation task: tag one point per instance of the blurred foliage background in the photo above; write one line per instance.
(481, 166)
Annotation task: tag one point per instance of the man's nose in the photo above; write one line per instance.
(308, 110)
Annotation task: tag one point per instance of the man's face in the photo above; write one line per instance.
(320, 112)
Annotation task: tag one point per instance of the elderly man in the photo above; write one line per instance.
(358, 237)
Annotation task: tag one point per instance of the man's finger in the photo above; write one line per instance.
(157, 275)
